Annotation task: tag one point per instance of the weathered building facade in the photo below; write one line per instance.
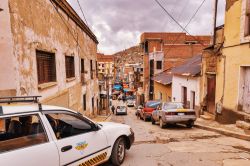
(227, 66)
(47, 50)
(105, 65)
(163, 51)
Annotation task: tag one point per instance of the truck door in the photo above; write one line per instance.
(77, 140)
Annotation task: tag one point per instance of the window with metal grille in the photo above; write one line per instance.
(158, 65)
(70, 66)
(46, 67)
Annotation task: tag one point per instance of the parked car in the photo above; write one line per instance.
(130, 97)
(148, 108)
(121, 110)
(35, 134)
(130, 103)
(171, 113)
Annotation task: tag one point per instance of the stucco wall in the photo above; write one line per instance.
(35, 25)
(7, 79)
(236, 54)
(166, 91)
(192, 84)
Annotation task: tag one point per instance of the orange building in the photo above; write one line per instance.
(163, 51)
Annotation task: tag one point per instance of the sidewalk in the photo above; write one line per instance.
(228, 130)
(102, 117)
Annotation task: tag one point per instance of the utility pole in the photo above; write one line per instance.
(215, 21)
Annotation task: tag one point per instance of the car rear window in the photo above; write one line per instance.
(21, 131)
(172, 106)
(152, 104)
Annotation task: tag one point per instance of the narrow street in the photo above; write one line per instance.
(180, 146)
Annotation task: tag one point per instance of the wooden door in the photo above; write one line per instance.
(184, 96)
(246, 91)
(192, 98)
(211, 85)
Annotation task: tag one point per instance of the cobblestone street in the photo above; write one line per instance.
(179, 146)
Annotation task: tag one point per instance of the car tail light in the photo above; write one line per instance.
(170, 113)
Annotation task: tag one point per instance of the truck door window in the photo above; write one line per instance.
(20, 132)
(67, 125)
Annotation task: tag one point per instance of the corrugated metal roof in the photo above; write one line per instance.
(191, 67)
(164, 77)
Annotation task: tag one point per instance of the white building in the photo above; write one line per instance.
(186, 83)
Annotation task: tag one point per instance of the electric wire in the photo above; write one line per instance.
(186, 26)
(82, 12)
(166, 11)
(76, 40)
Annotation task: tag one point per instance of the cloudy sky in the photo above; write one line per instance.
(119, 23)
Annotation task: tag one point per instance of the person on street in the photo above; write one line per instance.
(113, 109)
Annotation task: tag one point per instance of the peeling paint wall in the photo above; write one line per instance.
(7, 79)
(36, 25)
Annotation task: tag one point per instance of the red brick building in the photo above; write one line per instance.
(163, 51)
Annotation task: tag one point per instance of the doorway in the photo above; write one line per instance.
(244, 100)
(211, 85)
(192, 100)
(184, 96)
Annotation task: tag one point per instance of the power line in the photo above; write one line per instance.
(76, 39)
(186, 26)
(165, 10)
(82, 12)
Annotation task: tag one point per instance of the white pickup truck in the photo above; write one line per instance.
(43, 135)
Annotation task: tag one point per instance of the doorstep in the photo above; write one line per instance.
(229, 130)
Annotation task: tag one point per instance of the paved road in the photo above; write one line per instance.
(179, 146)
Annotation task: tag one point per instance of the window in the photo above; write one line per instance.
(158, 65)
(93, 104)
(102, 65)
(96, 69)
(20, 132)
(67, 125)
(247, 20)
(46, 67)
(146, 47)
(70, 66)
(82, 66)
(91, 69)
(82, 72)
(84, 102)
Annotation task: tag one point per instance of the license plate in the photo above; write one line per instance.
(181, 114)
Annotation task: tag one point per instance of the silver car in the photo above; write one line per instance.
(121, 110)
(172, 113)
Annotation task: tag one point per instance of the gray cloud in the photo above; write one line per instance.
(119, 23)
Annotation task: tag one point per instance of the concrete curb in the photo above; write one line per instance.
(224, 132)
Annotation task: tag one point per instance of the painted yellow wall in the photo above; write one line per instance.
(236, 54)
(232, 24)
(166, 91)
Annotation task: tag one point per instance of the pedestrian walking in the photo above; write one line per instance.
(113, 109)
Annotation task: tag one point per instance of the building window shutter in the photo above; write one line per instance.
(46, 67)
